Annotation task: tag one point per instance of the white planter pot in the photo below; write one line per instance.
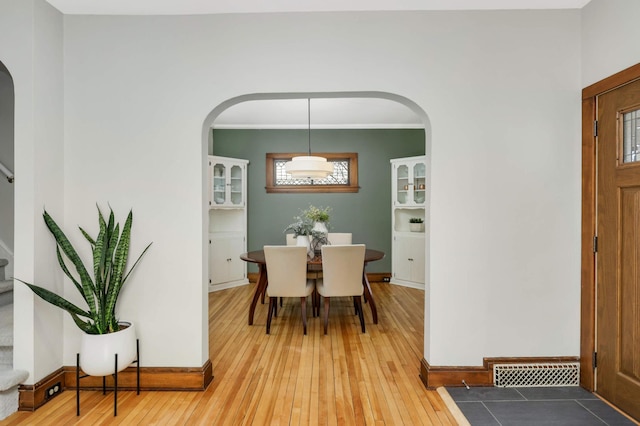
(97, 351)
(415, 227)
(304, 241)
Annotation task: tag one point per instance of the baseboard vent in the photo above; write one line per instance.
(536, 375)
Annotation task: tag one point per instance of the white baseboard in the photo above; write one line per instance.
(230, 284)
(410, 284)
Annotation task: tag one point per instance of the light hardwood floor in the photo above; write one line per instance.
(343, 378)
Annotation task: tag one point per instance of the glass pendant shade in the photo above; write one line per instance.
(308, 166)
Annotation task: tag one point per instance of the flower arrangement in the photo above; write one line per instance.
(317, 214)
(416, 220)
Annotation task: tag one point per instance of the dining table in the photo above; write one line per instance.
(314, 265)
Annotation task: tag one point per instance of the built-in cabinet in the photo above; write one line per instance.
(227, 222)
(409, 200)
(227, 182)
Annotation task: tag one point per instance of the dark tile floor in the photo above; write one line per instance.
(562, 406)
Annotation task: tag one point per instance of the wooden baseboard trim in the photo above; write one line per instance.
(373, 277)
(30, 397)
(151, 379)
(435, 376)
(378, 277)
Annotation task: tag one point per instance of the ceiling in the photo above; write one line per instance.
(292, 113)
(196, 7)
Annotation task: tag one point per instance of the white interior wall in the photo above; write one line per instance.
(610, 34)
(31, 49)
(48, 162)
(501, 90)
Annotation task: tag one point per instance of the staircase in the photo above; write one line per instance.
(9, 378)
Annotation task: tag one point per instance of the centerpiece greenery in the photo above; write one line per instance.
(110, 253)
(317, 214)
(300, 226)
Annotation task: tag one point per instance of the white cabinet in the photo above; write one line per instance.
(227, 222)
(226, 269)
(409, 182)
(408, 259)
(410, 199)
(227, 182)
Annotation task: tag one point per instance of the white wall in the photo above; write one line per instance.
(502, 92)
(610, 33)
(31, 49)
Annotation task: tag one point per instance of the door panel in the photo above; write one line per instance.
(618, 259)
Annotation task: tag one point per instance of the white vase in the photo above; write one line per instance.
(97, 351)
(304, 241)
(321, 227)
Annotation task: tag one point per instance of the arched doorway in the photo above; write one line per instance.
(7, 196)
(416, 109)
(7, 107)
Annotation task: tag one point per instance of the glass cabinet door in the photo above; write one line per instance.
(402, 184)
(219, 184)
(236, 196)
(419, 183)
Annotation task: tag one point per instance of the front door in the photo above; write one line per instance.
(618, 259)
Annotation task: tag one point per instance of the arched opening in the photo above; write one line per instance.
(207, 140)
(7, 215)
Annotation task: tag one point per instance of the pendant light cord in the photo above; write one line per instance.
(309, 122)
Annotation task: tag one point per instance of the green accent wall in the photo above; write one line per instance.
(366, 214)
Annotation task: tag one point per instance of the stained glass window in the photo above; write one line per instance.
(343, 179)
(630, 133)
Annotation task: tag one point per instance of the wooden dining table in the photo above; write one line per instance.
(313, 265)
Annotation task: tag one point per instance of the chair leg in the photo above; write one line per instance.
(358, 302)
(303, 306)
(271, 309)
(326, 314)
(315, 303)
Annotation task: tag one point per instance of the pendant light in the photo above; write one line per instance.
(309, 166)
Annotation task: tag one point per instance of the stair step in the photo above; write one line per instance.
(10, 378)
(6, 325)
(6, 292)
(6, 357)
(3, 263)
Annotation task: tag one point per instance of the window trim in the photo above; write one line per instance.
(271, 187)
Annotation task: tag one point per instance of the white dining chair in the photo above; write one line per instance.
(291, 241)
(342, 268)
(339, 238)
(287, 277)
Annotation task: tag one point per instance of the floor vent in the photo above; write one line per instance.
(536, 375)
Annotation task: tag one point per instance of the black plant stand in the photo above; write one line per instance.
(104, 380)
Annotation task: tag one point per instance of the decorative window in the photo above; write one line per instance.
(343, 179)
(631, 136)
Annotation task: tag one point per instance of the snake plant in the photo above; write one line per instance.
(100, 292)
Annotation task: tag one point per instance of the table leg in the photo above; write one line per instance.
(369, 297)
(261, 286)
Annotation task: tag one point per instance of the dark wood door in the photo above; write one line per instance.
(618, 258)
